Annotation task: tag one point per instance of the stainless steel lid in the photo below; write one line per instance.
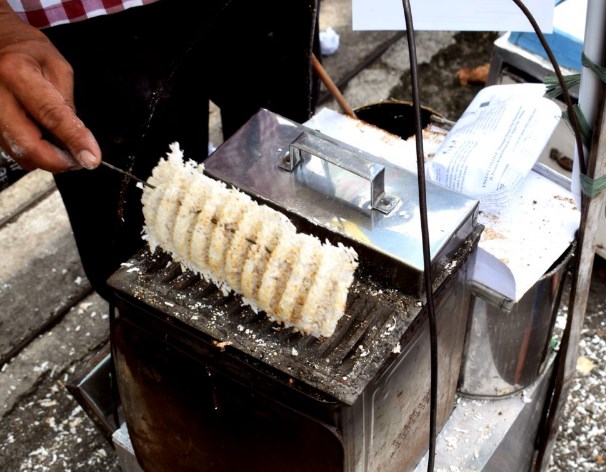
(343, 194)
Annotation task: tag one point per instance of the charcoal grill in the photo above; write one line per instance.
(207, 384)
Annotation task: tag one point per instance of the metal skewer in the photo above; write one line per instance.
(124, 172)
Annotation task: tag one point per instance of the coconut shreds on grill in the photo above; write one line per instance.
(242, 246)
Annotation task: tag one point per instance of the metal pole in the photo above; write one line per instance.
(592, 96)
(593, 47)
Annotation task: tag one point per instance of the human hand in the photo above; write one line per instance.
(36, 93)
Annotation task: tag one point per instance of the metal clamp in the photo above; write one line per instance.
(308, 144)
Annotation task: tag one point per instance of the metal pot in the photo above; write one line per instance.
(397, 117)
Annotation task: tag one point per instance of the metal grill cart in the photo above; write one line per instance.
(204, 381)
(192, 364)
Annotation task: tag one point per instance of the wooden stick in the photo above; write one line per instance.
(330, 85)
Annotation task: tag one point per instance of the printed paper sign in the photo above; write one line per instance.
(452, 15)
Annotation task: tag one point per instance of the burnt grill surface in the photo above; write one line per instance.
(378, 323)
(340, 366)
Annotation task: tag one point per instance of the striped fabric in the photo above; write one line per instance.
(45, 13)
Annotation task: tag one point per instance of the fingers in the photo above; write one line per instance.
(54, 114)
(61, 75)
(22, 140)
(37, 98)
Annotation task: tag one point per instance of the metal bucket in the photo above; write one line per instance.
(507, 345)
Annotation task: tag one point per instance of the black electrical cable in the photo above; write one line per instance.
(423, 202)
(433, 332)
(574, 121)
(548, 422)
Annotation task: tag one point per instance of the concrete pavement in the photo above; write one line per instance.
(50, 320)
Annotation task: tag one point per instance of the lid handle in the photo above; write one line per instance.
(307, 145)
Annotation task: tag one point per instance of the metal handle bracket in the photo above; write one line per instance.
(308, 144)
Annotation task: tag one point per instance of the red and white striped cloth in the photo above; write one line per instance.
(44, 13)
